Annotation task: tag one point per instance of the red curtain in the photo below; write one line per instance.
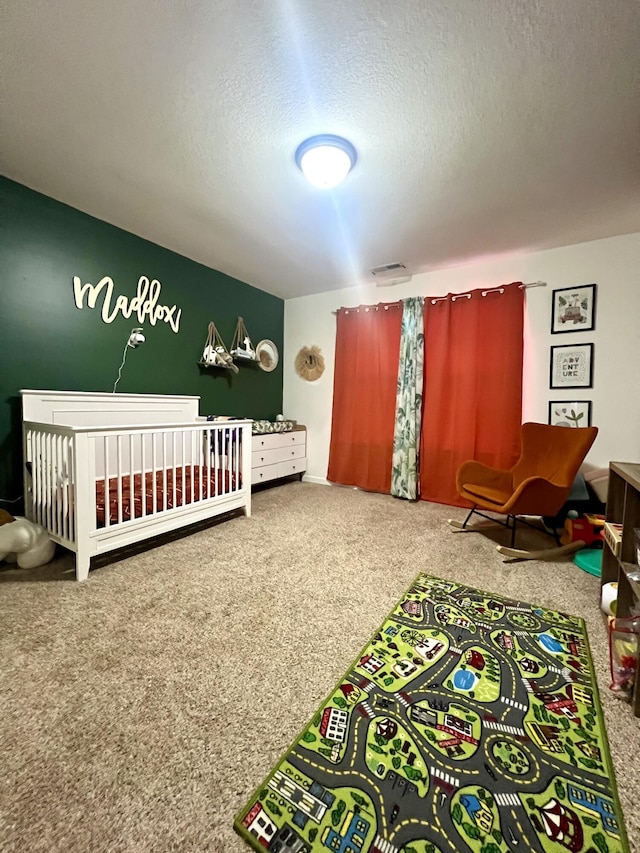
(472, 404)
(364, 396)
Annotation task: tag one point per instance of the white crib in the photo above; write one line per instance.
(102, 471)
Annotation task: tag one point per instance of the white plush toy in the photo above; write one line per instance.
(24, 542)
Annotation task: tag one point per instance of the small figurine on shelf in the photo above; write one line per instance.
(241, 346)
(215, 353)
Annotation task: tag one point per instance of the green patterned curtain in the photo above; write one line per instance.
(404, 472)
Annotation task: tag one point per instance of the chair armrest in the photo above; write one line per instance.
(475, 472)
(537, 496)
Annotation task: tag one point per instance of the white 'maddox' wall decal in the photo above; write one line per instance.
(144, 303)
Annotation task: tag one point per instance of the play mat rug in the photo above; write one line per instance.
(468, 722)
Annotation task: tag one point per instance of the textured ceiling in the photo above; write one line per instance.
(482, 126)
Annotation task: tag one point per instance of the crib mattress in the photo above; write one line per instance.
(220, 482)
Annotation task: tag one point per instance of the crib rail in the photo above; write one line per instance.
(50, 466)
(88, 479)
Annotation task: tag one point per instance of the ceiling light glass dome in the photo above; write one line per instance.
(326, 160)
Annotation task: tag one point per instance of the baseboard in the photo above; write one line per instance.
(321, 481)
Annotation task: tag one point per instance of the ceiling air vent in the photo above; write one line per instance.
(394, 273)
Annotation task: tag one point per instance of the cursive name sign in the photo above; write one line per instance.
(144, 303)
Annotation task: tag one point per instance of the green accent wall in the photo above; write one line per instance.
(48, 343)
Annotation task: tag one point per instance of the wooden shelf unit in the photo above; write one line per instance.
(623, 507)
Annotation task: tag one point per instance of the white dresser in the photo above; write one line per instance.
(278, 454)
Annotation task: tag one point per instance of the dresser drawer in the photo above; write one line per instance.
(278, 439)
(265, 473)
(296, 466)
(279, 454)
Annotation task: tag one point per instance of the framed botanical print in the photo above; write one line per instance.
(570, 413)
(571, 366)
(574, 309)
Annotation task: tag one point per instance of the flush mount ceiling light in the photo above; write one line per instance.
(326, 160)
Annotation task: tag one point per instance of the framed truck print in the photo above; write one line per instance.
(571, 366)
(574, 309)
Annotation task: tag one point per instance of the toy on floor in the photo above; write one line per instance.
(588, 527)
(24, 542)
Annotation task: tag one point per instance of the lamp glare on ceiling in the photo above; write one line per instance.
(326, 160)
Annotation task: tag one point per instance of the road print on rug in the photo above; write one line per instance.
(468, 722)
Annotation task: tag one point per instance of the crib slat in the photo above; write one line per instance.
(132, 509)
(216, 462)
(192, 466)
(143, 474)
(174, 468)
(28, 483)
(42, 469)
(154, 468)
(59, 485)
(119, 475)
(107, 490)
(233, 484)
(65, 489)
(183, 496)
(164, 471)
(42, 473)
(43, 481)
(72, 490)
(48, 481)
(201, 461)
(35, 475)
(54, 484)
(207, 459)
(228, 449)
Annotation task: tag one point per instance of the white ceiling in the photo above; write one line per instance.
(482, 126)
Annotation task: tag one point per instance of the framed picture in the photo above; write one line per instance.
(571, 366)
(570, 413)
(573, 309)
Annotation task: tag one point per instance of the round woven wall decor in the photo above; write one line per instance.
(310, 363)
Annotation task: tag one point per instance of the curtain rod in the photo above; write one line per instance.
(525, 286)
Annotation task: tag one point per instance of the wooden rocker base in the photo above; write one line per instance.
(479, 528)
(542, 554)
(515, 554)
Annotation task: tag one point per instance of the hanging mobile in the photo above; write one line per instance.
(215, 353)
(241, 346)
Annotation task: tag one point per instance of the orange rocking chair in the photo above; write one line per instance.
(538, 484)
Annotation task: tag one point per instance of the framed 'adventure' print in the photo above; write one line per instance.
(571, 366)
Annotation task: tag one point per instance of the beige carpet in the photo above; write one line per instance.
(139, 710)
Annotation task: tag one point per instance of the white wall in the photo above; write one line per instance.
(613, 264)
